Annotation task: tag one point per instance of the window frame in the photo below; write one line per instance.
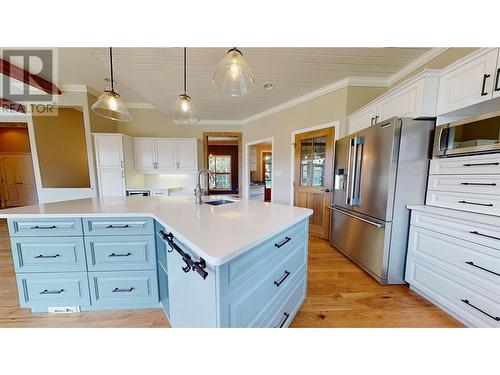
(215, 173)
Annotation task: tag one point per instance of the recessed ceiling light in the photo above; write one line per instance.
(268, 86)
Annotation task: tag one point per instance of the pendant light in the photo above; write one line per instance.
(184, 111)
(109, 104)
(233, 75)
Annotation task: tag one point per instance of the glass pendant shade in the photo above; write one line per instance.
(233, 75)
(184, 111)
(111, 106)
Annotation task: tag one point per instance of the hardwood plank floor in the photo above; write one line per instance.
(339, 294)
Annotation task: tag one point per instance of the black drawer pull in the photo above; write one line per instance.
(118, 290)
(496, 80)
(485, 77)
(52, 291)
(478, 184)
(478, 309)
(477, 204)
(117, 226)
(480, 164)
(283, 320)
(119, 255)
(284, 242)
(41, 256)
(471, 263)
(484, 235)
(281, 279)
(43, 227)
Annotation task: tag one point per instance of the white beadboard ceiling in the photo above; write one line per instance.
(154, 75)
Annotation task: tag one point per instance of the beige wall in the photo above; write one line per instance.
(99, 124)
(61, 148)
(14, 139)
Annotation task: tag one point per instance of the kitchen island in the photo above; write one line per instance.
(240, 264)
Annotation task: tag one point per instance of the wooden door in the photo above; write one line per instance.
(18, 181)
(313, 177)
(26, 176)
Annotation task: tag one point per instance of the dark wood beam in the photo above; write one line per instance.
(12, 106)
(13, 71)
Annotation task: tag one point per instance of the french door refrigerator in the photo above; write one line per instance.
(378, 172)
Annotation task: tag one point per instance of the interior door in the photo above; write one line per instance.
(165, 149)
(26, 176)
(11, 182)
(313, 177)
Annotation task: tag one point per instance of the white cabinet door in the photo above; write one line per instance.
(145, 154)
(108, 151)
(364, 119)
(405, 103)
(468, 84)
(187, 156)
(496, 87)
(111, 183)
(165, 149)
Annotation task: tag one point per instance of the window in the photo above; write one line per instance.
(220, 166)
(267, 168)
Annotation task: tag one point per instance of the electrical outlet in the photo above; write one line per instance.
(64, 310)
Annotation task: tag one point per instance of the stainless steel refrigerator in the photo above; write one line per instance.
(378, 172)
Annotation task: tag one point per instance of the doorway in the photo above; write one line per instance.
(313, 166)
(260, 170)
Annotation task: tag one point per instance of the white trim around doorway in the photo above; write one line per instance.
(246, 170)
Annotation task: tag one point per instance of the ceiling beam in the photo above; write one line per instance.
(12, 106)
(15, 72)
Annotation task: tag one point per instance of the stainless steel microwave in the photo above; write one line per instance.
(475, 135)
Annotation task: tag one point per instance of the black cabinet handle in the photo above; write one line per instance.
(117, 226)
(471, 263)
(484, 235)
(43, 227)
(283, 320)
(119, 255)
(485, 77)
(52, 291)
(478, 184)
(118, 290)
(281, 279)
(479, 164)
(497, 79)
(496, 318)
(284, 242)
(477, 204)
(41, 256)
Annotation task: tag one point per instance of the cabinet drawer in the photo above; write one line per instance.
(48, 254)
(242, 306)
(475, 184)
(265, 256)
(112, 253)
(121, 289)
(476, 308)
(468, 230)
(478, 264)
(481, 203)
(118, 226)
(45, 227)
(54, 289)
(476, 164)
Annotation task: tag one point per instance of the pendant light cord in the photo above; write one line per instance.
(185, 49)
(111, 68)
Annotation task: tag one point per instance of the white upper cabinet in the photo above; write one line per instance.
(186, 152)
(166, 155)
(469, 81)
(111, 183)
(145, 154)
(364, 118)
(108, 151)
(165, 149)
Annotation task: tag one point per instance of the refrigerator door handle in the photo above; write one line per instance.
(356, 180)
(378, 225)
(350, 173)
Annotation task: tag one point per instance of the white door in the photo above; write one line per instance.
(165, 151)
(11, 182)
(108, 151)
(145, 154)
(469, 84)
(186, 155)
(26, 176)
(111, 183)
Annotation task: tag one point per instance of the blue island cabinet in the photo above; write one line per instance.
(263, 287)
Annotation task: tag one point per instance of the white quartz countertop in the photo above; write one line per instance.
(216, 233)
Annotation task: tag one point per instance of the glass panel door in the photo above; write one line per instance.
(312, 162)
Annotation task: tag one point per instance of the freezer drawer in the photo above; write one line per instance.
(362, 240)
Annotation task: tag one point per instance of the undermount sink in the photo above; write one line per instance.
(218, 202)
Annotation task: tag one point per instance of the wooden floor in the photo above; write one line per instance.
(339, 294)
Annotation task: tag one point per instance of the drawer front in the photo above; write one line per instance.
(243, 305)
(45, 227)
(112, 253)
(480, 203)
(475, 184)
(477, 164)
(121, 289)
(478, 309)
(48, 254)
(265, 256)
(110, 226)
(54, 289)
(468, 230)
(478, 264)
